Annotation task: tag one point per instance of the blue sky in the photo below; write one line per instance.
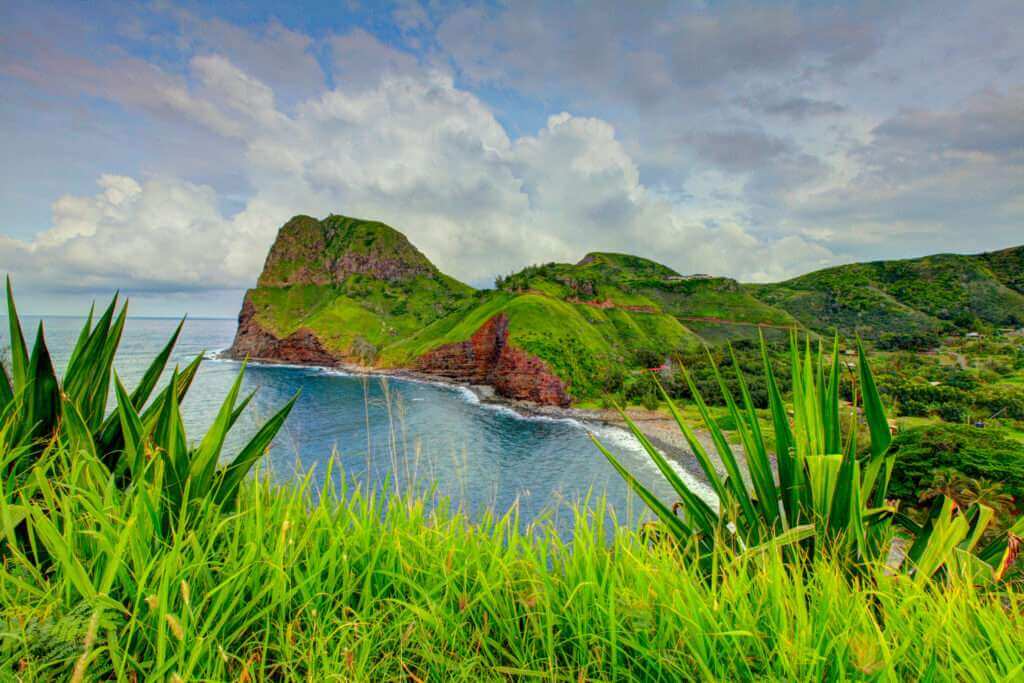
(156, 147)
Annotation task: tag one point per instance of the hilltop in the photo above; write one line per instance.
(344, 290)
(341, 289)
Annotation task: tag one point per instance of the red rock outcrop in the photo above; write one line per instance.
(253, 341)
(488, 358)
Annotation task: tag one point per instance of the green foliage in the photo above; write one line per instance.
(908, 341)
(972, 451)
(307, 583)
(823, 493)
(914, 296)
(139, 440)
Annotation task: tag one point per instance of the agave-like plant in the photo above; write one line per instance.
(821, 491)
(139, 439)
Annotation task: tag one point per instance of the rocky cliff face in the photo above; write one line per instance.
(487, 358)
(253, 341)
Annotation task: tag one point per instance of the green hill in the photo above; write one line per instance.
(356, 286)
(931, 294)
(347, 290)
(1008, 266)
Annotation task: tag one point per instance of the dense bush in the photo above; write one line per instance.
(1002, 400)
(908, 341)
(974, 452)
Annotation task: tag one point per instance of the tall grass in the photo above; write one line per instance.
(298, 584)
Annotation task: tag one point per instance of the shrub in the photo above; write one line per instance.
(975, 452)
(908, 341)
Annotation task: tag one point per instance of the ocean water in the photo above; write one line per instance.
(410, 434)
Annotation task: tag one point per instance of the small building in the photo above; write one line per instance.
(684, 278)
(973, 335)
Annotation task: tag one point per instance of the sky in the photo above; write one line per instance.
(155, 148)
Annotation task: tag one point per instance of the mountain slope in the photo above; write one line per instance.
(347, 290)
(1008, 266)
(929, 294)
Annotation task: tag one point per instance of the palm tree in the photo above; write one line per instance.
(951, 483)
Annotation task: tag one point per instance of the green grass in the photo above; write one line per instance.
(341, 586)
(358, 309)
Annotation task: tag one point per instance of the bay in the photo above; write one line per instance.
(415, 435)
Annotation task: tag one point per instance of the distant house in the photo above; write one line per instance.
(935, 383)
(684, 278)
(973, 335)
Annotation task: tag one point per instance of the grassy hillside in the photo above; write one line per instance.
(361, 315)
(588, 347)
(358, 285)
(1008, 266)
(368, 294)
(712, 308)
(929, 294)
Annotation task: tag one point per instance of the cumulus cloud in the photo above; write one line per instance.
(413, 150)
(162, 234)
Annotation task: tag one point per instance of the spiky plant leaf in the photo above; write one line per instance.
(42, 394)
(19, 351)
(205, 457)
(109, 437)
(698, 512)
(6, 390)
(790, 469)
(235, 472)
(132, 431)
(679, 530)
(752, 527)
(75, 432)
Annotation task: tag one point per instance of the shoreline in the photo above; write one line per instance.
(659, 428)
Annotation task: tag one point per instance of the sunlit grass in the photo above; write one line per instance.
(298, 586)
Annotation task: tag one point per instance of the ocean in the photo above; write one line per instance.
(408, 434)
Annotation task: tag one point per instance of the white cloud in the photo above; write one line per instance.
(163, 234)
(413, 150)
